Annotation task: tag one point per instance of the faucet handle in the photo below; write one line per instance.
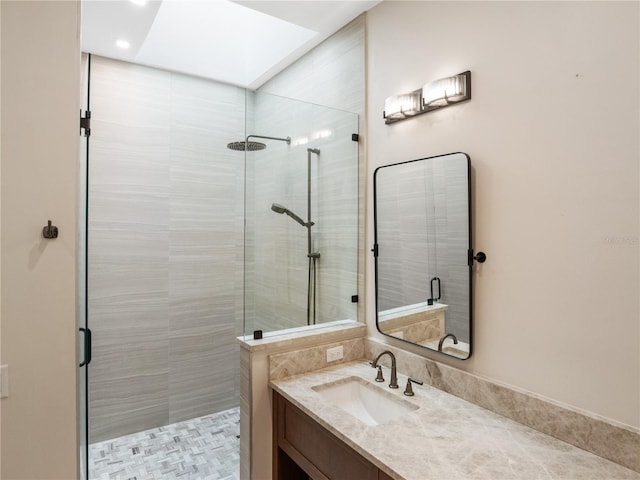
(408, 390)
(379, 377)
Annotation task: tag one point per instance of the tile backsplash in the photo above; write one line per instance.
(313, 358)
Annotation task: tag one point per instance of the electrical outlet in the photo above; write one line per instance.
(335, 353)
(4, 381)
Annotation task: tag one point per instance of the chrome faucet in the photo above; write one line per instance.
(394, 373)
(455, 340)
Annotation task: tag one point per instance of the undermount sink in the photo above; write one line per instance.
(368, 403)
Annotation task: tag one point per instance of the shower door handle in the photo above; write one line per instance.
(437, 280)
(87, 346)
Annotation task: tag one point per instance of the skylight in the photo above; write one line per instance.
(220, 40)
(241, 42)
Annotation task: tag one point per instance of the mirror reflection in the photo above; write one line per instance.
(422, 244)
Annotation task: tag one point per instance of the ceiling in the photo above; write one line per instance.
(243, 43)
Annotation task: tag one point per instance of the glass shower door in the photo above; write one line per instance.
(165, 235)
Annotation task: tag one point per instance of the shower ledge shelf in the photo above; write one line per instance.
(303, 336)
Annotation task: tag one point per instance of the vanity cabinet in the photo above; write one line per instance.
(303, 449)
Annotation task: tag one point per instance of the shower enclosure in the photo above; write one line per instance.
(184, 251)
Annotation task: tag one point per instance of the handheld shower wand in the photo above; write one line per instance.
(276, 207)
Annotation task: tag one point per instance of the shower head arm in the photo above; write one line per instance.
(288, 139)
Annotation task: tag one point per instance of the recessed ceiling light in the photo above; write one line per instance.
(141, 3)
(122, 44)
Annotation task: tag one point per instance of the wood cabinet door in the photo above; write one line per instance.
(316, 450)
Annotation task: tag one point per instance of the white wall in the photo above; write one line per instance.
(40, 85)
(552, 132)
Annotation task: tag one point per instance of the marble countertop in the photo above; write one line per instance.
(446, 438)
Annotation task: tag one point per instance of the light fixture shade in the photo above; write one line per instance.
(434, 95)
(446, 91)
(402, 106)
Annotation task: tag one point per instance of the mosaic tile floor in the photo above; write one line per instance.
(202, 448)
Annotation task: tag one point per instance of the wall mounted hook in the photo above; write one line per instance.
(481, 257)
(50, 231)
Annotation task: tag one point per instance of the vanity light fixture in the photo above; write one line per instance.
(399, 107)
(438, 94)
(447, 91)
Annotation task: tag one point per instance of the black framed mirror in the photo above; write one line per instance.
(422, 250)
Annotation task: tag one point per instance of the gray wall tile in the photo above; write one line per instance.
(164, 242)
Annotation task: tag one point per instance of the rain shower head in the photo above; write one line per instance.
(276, 207)
(247, 146)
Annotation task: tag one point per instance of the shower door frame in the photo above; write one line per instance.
(84, 345)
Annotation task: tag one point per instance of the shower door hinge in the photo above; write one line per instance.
(354, 298)
(355, 137)
(375, 250)
(85, 123)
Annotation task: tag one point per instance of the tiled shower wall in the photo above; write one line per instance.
(332, 75)
(165, 247)
(277, 262)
